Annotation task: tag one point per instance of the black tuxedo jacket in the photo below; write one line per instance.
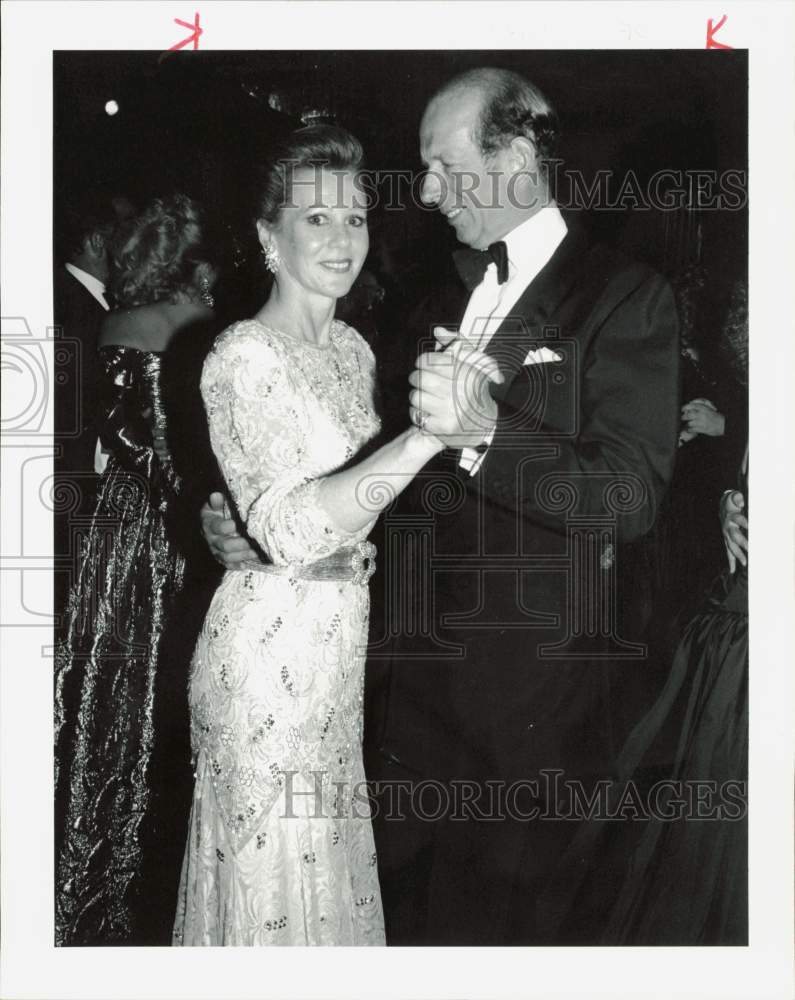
(79, 317)
(502, 588)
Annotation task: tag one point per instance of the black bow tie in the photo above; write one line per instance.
(472, 264)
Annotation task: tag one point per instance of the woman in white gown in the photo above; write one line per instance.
(280, 848)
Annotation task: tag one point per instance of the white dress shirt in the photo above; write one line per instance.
(97, 289)
(90, 283)
(530, 247)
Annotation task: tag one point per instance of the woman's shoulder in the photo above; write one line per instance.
(350, 338)
(245, 348)
(151, 327)
(139, 328)
(245, 335)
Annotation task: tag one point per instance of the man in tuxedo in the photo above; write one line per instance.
(503, 640)
(80, 305)
(502, 561)
(81, 270)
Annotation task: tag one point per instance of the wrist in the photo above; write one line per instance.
(421, 444)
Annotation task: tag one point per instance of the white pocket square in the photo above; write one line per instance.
(541, 356)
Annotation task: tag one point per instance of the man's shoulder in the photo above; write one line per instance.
(612, 275)
(73, 303)
(617, 264)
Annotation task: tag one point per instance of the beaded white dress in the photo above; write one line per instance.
(280, 848)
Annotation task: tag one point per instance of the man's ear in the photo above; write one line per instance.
(96, 244)
(522, 156)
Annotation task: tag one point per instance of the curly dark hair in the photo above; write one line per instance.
(512, 106)
(324, 146)
(154, 258)
(734, 332)
(689, 285)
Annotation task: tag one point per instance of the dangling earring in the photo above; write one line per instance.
(271, 255)
(206, 295)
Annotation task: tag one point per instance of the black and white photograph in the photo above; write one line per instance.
(397, 500)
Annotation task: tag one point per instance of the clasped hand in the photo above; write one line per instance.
(450, 397)
(221, 534)
(701, 416)
(734, 525)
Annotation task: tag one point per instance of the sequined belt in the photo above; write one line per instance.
(355, 564)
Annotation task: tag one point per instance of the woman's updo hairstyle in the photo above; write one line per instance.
(154, 259)
(320, 146)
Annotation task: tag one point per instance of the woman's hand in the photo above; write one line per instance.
(221, 535)
(734, 525)
(701, 416)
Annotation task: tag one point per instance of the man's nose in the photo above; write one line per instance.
(431, 189)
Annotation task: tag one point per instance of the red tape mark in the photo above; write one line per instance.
(194, 37)
(712, 30)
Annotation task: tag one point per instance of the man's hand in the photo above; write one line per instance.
(220, 533)
(734, 525)
(450, 396)
(701, 416)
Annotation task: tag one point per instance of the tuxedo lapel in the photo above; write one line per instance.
(522, 329)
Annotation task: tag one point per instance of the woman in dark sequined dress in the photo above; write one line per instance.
(122, 656)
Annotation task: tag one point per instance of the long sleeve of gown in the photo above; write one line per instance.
(258, 430)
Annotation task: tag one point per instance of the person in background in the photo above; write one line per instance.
(84, 231)
(678, 876)
(80, 302)
(685, 551)
(120, 669)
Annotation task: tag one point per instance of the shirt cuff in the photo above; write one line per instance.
(100, 458)
(472, 458)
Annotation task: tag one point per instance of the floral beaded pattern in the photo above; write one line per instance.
(277, 677)
(282, 415)
(279, 421)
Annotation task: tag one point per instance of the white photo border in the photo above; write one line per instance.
(31, 966)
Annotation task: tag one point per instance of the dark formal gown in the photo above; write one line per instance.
(678, 874)
(688, 884)
(77, 318)
(685, 548)
(122, 777)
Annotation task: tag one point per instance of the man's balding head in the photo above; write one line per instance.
(509, 106)
(485, 138)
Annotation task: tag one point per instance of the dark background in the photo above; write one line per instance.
(201, 122)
